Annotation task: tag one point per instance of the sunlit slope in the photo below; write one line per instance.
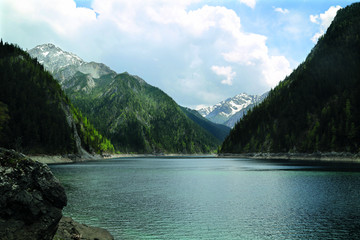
(138, 117)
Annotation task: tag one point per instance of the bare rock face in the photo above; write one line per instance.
(31, 198)
(70, 230)
(64, 65)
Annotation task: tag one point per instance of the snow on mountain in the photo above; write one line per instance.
(206, 110)
(230, 111)
(63, 65)
(53, 58)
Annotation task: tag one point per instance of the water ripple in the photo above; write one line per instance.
(213, 199)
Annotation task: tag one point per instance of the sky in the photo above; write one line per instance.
(199, 52)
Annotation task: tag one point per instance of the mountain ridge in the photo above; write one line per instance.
(231, 110)
(64, 65)
(35, 114)
(220, 131)
(136, 116)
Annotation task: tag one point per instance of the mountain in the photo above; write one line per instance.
(218, 130)
(35, 114)
(136, 116)
(317, 107)
(64, 65)
(230, 111)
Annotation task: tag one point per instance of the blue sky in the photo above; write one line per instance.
(200, 52)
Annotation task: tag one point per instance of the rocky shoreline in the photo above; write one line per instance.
(66, 159)
(63, 159)
(171, 155)
(318, 156)
(31, 201)
(71, 230)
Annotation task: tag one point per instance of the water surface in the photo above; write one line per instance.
(213, 198)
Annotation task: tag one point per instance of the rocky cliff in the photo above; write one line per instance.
(31, 203)
(31, 198)
(70, 230)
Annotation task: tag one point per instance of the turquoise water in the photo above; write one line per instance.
(213, 198)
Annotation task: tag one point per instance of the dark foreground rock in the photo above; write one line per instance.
(71, 230)
(31, 198)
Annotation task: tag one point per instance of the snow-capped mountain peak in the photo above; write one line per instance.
(53, 58)
(64, 65)
(229, 111)
(206, 110)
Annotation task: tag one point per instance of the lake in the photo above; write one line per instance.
(214, 198)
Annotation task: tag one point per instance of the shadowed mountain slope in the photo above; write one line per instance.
(316, 108)
(35, 114)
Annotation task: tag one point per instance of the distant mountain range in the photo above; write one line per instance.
(316, 108)
(220, 131)
(230, 111)
(134, 115)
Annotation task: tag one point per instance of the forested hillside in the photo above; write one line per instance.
(317, 107)
(218, 130)
(35, 114)
(135, 116)
(138, 117)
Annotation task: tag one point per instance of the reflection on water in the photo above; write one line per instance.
(213, 198)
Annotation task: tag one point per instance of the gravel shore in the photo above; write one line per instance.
(326, 157)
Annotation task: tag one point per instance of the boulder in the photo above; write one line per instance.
(71, 230)
(31, 198)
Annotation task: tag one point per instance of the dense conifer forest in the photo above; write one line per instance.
(35, 114)
(317, 107)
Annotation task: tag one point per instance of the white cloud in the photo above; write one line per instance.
(281, 10)
(324, 20)
(314, 18)
(251, 50)
(250, 3)
(174, 45)
(247, 49)
(195, 22)
(61, 16)
(226, 72)
(275, 69)
(218, 28)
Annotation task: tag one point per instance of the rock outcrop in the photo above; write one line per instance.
(31, 198)
(71, 230)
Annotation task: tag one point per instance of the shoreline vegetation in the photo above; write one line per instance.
(336, 157)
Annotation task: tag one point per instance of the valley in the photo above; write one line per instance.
(135, 116)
